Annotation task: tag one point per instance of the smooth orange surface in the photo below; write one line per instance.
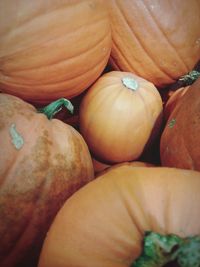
(103, 223)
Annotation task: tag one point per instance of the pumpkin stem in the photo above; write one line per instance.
(190, 78)
(54, 107)
(130, 83)
(160, 250)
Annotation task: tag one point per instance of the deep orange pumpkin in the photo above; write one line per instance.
(52, 49)
(103, 224)
(180, 143)
(42, 163)
(174, 97)
(119, 115)
(157, 40)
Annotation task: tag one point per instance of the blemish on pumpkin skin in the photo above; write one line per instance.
(172, 123)
(16, 139)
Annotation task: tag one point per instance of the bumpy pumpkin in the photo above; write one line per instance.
(52, 49)
(157, 40)
(42, 162)
(180, 143)
(119, 115)
(104, 223)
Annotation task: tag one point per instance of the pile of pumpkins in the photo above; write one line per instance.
(99, 133)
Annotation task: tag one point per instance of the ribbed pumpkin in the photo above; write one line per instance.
(52, 49)
(174, 97)
(180, 143)
(42, 163)
(157, 40)
(104, 223)
(119, 115)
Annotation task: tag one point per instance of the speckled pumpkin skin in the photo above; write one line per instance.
(36, 176)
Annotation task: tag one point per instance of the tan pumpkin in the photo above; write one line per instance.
(180, 143)
(42, 163)
(52, 49)
(119, 115)
(157, 40)
(104, 223)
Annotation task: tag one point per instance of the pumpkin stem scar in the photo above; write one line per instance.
(17, 139)
(172, 123)
(130, 83)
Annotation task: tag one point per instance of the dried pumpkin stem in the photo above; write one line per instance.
(160, 250)
(190, 78)
(54, 107)
(130, 83)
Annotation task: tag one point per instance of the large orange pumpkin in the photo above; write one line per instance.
(42, 163)
(180, 143)
(119, 115)
(52, 49)
(157, 40)
(104, 223)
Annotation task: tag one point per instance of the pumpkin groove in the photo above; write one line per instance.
(151, 40)
(46, 58)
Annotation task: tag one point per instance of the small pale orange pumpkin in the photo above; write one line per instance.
(119, 115)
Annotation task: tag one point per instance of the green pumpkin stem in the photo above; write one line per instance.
(160, 250)
(190, 78)
(54, 107)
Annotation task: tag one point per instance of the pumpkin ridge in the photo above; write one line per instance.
(151, 58)
(53, 83)
(87, 50)
(132, 214)
(53, 38)
(114, 44)
(37, 14)
(167, 39)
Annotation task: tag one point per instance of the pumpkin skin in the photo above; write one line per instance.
(174, 97)
(45, 47)
(42, 163)
(103, 223)
(99, 166)
(151, 40)
(179, 144)
(116, 119)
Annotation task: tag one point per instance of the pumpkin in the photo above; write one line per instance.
(119, 115)
(157, 40)
(180, 144)
(42, 163)
(52, 49)
(105, 223)
(174, 97)
(99, 166)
